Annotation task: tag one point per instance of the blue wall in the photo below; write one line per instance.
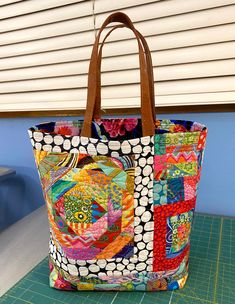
(22, 194)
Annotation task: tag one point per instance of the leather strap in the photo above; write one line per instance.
(146, 108)
(97, 109)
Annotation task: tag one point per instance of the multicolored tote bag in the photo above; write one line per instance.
(121, 192)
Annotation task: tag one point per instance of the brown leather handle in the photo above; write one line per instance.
(97, 108)
(146, 108)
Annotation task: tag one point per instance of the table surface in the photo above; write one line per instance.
(6, 172)
(211, 276)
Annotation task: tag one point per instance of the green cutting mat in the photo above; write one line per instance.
(211, 277)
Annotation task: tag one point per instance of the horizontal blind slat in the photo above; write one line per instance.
(58, 83)
(106, 5)
(44, 96)
(122, 70)
(225, 83)
(76, 10)
(52, 57)
(217, 34)
(196, 98)
(48, 30)
(55, 70)
(209, 52)
(27, 7)
(213, 84)
(9, 2)
(161, 8)
(131, 102)
(45, 45)
(169, 57)
(191, 20)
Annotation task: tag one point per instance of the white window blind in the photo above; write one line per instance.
(45, 48)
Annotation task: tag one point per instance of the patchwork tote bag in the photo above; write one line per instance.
(121, 192)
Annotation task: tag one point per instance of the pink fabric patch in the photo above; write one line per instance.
(160, 166)
(190, 183)
(160, 162)
(84, 254)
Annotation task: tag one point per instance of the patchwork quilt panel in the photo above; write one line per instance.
(120, 206)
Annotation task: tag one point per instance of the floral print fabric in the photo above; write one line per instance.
(119, 129)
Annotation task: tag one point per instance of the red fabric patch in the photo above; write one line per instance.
(110, 235)
(202, 140)
(181, 148)
(190, 185)
(161, 213)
